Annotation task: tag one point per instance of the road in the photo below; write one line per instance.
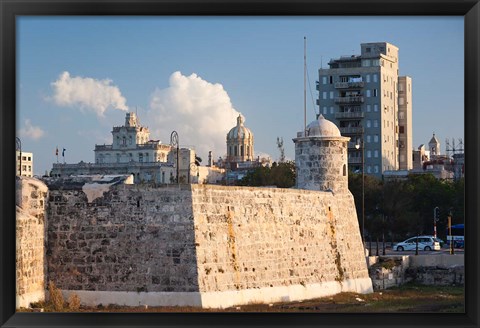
(389, 251)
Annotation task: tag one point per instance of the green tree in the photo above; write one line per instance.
(283, 174)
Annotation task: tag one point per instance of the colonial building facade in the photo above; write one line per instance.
(131, 152)
(24, 164)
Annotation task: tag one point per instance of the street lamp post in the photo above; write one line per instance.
(435, 220)
(18, 146)
(175, 142)
(357, 146)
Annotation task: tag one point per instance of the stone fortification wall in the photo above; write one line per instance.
(31, 196)
(258, 244)
(204, 245)
(133, 239)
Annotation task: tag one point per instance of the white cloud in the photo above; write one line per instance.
(201, 112)
(30, 131)
(87, 93)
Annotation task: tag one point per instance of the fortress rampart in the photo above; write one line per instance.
(200, 245)
(31, 266)
(203, 245)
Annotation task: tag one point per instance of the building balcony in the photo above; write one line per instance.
(349, 85)
(103, 147)
(349, 100)
(355, 160)
(351, 130)
(346, 115)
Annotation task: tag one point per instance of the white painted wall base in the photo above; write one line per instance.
(23, 301)
(223, 299)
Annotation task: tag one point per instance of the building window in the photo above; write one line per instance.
(235, 150)
(369, 123)
(368, 138)
(401, 115)
(368, 78)
(331, 95)
(375, 123)
(332, 110)
(375, 108)
(375, 154)
(241, 151)
(401, 101)
(325, 110)
(369, 169)
(375, 78)
(368, 49)
(375, 138)
(369, 108)
(401, 129)
(331, 79)
(375, 94)
(368, 93)
(324, 79)
(402, 158)
(375, 169)
(324, 95)
(344, 170)
(369, 153)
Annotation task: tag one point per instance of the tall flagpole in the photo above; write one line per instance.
(304, 86)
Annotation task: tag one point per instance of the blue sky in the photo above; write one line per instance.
(76, 77)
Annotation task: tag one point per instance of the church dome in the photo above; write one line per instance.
(322, 128)
(240, 131)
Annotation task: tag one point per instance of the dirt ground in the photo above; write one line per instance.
(405, 299)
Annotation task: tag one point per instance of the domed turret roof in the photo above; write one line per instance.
(434, 140)
(239, 131)
(322, 128)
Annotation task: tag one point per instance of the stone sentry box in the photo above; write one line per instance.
(212, 246)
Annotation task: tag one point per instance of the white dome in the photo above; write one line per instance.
(322, 128)
(239, 131)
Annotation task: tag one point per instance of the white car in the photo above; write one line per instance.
(425, 243)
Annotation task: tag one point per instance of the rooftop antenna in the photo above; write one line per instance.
(304, 86)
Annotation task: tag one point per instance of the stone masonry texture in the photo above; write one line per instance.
(30, 241)
(201, 238)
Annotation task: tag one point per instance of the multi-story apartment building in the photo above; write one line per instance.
(405, 146)
(361, 95)
(24, 166)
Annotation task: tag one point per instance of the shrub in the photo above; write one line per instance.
(73, 302)
(56, 297)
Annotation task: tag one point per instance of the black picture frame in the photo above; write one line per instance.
(10, 9)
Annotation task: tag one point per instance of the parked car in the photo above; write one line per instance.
(425, 243)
